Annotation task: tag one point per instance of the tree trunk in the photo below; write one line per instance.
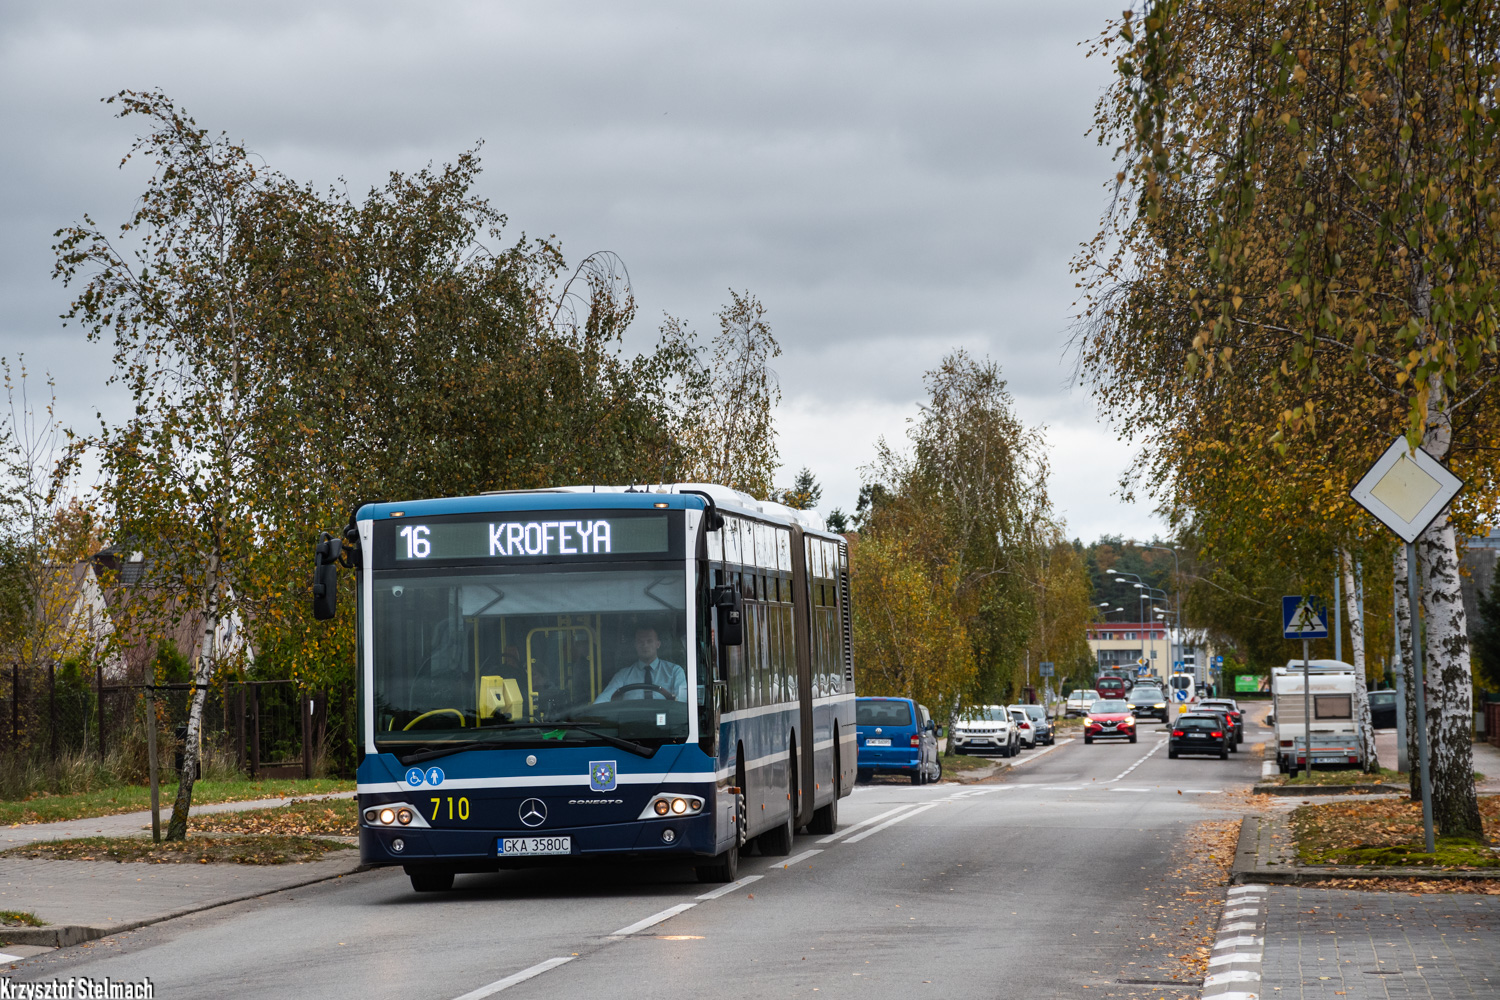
(1449, 684)
(1364, 724)
(1404, 626)
(177, 828)
(1449, 680)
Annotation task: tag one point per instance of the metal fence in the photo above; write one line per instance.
(270, 728)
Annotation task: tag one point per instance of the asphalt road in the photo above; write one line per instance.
(1068, 872)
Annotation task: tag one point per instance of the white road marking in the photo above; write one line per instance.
(865, 822)
(797, 858)
(1238, 942)
(1039, 753)
(9, 958)
(1138, 763)
(1243, 925)
(891, 822)
(725, 889)
(519, 977)
(1232, 957)
(1122, 789)
(1232, 976)
(651, 921)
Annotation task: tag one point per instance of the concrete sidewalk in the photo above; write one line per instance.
(1306, 942)
(86, 900)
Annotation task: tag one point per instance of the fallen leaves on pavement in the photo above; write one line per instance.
(245, 850)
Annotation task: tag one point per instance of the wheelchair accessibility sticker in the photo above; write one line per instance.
(602, 776)
(433, 776)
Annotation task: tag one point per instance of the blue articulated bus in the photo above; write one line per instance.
(610, 673)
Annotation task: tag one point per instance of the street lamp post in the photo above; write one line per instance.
(1176, 580)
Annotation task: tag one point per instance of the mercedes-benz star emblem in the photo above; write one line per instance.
(533, 812)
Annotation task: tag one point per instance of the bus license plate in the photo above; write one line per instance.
(877, 743)
(515, 847)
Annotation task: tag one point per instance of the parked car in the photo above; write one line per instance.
(1236, 714)
(896, 736)
(1039, 722)
(989, 729)
(1079, 702)
(1148, 701)
(1383, 709)
(1022, 723)
(1200, 733)
(1109, 718)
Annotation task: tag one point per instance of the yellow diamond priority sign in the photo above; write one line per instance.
(1406, 489)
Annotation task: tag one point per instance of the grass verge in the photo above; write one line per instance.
(960, 763)
(134, 798)
(335, 818)
(19, 918)
(1350, 776)
(256, 849)
(1389, 833)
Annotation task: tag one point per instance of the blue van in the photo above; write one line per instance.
(896, 736)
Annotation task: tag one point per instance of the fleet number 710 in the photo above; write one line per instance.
(463, 807)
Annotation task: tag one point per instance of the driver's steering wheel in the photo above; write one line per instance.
(620, 691)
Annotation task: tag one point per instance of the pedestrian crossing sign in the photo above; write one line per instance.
(1303, 617)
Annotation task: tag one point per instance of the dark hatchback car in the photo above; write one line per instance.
(896, 736)
(1199, 734)
(1229, 707)
(1226, 718)
(1383, 709)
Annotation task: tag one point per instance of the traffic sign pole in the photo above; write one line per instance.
(1423, 766)
(1306, 713)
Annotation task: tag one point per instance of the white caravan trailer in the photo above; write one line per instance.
(1335, 738)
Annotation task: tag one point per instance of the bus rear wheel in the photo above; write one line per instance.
(430, 878)
(826, 819)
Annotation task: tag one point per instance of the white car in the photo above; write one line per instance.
(1080, 701)
(986, 729)
(1025, 731)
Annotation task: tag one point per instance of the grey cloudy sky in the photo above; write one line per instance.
(893, 180)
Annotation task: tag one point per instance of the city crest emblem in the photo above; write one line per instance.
(602, 776)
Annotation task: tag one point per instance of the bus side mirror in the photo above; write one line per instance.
(325, 577)
(731, 610)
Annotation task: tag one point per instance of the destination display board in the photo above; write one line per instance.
(529, 536)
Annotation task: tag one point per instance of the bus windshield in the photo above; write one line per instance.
(514, 657)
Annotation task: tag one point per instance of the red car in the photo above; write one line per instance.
(1111, 687)
(1109, 718)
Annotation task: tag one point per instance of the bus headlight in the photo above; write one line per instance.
(671, 804)
(394, 814)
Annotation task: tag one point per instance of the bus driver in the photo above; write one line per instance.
(649, 669)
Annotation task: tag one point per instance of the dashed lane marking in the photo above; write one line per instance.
(1161, 743)
(866, 822)
(652, 920)
(892, 822)
(726, 889)
(799, 858)
(519, 977)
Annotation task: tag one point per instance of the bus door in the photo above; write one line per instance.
(802, 629)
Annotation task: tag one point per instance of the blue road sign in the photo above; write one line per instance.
(1218, 661)
(1180, 694)
(1303, 617)
(1045, 668)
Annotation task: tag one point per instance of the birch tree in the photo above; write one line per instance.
(173, 291)
(1308, 244)
(1354, 615)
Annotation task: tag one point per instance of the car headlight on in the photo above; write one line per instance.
(1160, 704)
(387, 816)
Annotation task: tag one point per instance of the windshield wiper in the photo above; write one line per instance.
(640, 750)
